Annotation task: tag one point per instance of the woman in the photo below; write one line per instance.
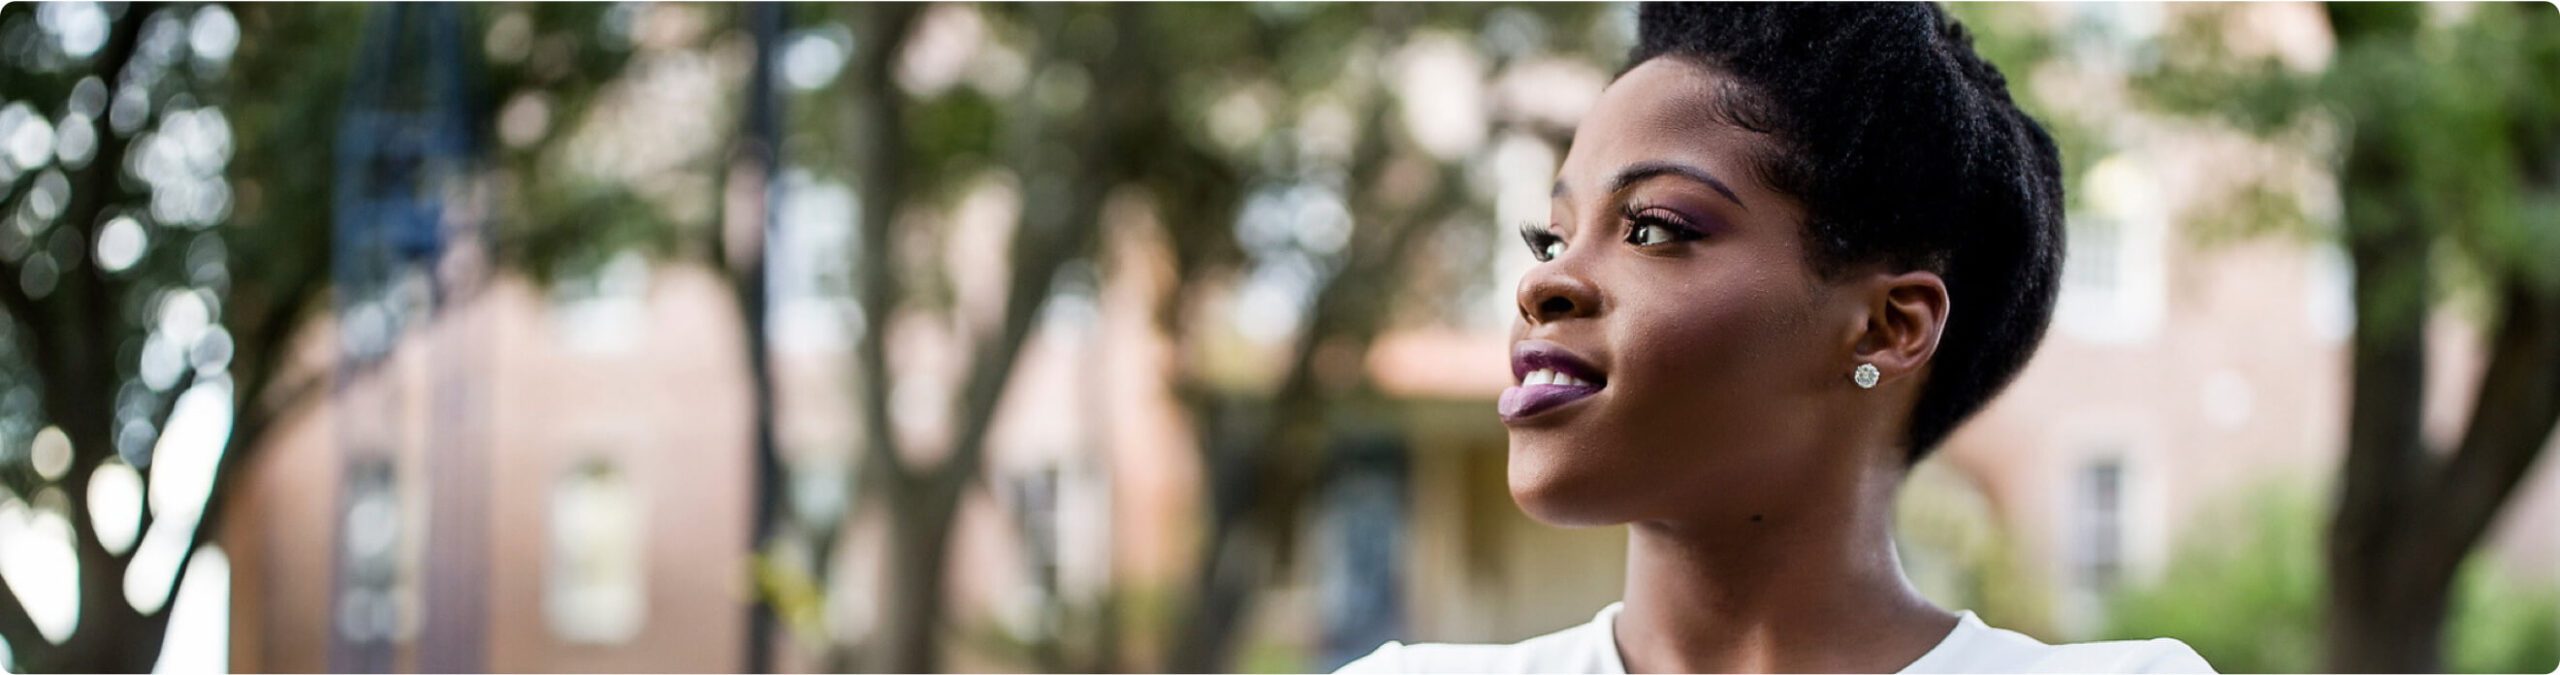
(1791, 248)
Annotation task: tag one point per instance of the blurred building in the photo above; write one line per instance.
(619, 468)
(617, 486)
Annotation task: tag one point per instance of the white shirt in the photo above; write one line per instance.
(1973, 647)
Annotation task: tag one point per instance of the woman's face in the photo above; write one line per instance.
(1694, 348)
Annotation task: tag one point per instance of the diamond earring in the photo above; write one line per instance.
(1866, 376)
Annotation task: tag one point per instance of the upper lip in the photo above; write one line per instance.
(1532, 355)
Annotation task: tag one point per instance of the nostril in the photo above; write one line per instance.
(1555, 306)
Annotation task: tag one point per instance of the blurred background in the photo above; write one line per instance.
(1165, 337)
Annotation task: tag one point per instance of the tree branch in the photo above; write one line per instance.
(882, 128)
(97, 185)
(1045, 239)
(2518, 403)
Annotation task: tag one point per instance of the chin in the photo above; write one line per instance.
(1558, 491)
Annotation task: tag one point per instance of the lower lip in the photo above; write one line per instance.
(1524, 401)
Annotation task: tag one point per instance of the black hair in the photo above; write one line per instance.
(1906, 150)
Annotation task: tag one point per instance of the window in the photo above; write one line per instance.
(2094, 268)
(593, 590)
(2098, 515)
(811, 273)
(2113, 280)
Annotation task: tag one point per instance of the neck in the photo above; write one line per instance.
(1816, 589)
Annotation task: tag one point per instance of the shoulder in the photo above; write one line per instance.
(2156, 655)
(1978, 648)
(1587, 648)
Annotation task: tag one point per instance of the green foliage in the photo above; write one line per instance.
(2249, 597)
(277, 96)
(553, 220)
(953, 136)
(2502, 624)
(2198, 74)
(2453, 108)
(2444, 105)
(569, 231)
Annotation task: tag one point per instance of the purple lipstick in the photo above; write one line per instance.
(1549, 377)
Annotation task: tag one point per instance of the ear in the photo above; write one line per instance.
(1906, 312)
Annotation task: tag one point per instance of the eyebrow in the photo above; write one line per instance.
(1643, 171)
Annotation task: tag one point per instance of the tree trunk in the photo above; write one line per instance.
(2387, 628)
(918, 565)
(2369, 627)
(1046, 236)
(1235, 563)
(71, 334)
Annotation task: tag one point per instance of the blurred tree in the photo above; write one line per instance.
(2449, 168)
(1315, 78)
(85, 330)
(1263, 450)
(1062, 138)
(1266, 442)
(870, 130)
(1065, 154)
(147, 270)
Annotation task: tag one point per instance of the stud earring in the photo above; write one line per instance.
(1866, 376)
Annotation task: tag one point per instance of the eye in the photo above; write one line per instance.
(1648, 234)
(1649, 228)
(1543, 244)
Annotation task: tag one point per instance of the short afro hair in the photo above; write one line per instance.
(1906, 150)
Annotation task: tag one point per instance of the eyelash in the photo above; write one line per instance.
(1636, 217)
(1540, 237)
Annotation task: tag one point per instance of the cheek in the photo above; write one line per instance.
(1736, 341)
(1705, 396)
(1726, 367)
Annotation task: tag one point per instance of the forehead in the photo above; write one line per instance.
(1664, 109)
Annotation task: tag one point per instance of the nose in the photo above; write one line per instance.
(1554, 291)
